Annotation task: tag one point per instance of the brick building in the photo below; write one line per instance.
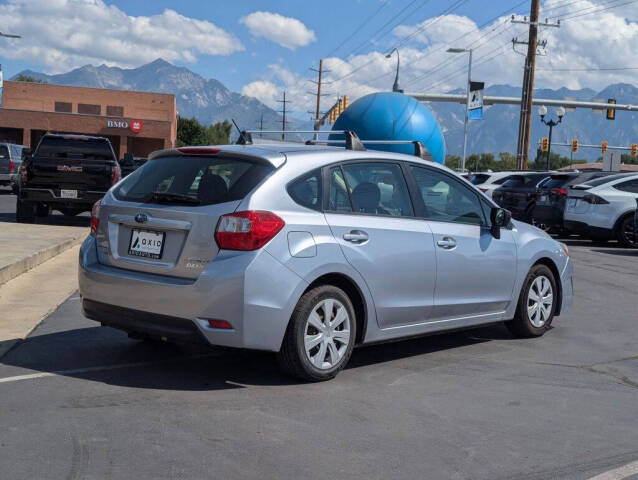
(136, 122)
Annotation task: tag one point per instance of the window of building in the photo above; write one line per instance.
(89, 109)
(63, 107)
(112, 111)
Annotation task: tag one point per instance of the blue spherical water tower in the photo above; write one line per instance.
(392, 116)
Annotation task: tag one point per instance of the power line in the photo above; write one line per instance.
(358, 29)
(599, 10)
(593, 69)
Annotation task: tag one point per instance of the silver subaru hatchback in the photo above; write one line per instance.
(309, 251)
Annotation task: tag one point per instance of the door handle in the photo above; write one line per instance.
(355, 236)
(447, 243)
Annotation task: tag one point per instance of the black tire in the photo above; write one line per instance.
(522, 325)
(25, 211)
(42, 210)
(292, 357)
(625, 233)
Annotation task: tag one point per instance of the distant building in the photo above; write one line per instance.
(135, 122)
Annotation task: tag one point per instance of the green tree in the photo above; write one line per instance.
(191, 132)
(27, 78)
(556, 161)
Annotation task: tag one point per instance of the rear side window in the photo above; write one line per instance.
(630, 186)
(378, 188)
(192, 180)
(339, 199)
(601, 181)
(4, 151)
(306, 191)
(60, 147)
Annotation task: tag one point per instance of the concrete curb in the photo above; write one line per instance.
(8, 272)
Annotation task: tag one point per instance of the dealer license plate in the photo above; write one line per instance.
(146, 243)
(68, 194)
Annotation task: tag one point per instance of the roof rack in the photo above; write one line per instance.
(351, 141)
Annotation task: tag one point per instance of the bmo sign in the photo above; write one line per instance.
(135, 125)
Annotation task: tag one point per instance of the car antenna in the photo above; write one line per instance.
(245, 138)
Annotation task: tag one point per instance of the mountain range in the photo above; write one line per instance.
(210, 101)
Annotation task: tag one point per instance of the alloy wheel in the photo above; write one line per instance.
(327, 334)
(539, 301)
(628, 232)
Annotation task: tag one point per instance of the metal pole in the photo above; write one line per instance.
(395, 87)
(283, 121)
(549, 145)
(467, 110)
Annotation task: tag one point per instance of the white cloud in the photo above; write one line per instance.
(264, 91)
(63, 34)
(285, 31)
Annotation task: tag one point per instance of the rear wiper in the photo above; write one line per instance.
(173, 197)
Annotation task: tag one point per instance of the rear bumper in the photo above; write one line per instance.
(581, 228)
(252, 291)
(178, 330)
(52, 196)
(8, 178)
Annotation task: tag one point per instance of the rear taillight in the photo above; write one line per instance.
(12, 166)
(248, 230)
(559, 191)
(198, 150)
(116, 175)
(595, 199)
(95, 217)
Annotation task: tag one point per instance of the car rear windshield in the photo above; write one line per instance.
(478, 178)
(192, 180)
(602, 180)
(524, 180)
(557, 181)
(61, 147)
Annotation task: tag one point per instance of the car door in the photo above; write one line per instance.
(370, 213)
(475, 270)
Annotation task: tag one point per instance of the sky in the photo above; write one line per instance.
(263, 48)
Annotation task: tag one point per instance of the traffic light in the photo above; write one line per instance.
(574, 145)
(611, 112)
(545, 144)
(345, 102)
(633, 150)
(603, 146)
(332, 115)
(340, 107)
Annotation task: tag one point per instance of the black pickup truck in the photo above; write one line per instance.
(68, 173)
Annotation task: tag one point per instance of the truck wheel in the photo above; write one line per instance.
(536, 304)
(42, 210)
(320, 336)
(25, 211)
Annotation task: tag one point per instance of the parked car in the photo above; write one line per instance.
(487, 182)
(518, 194)
(10, 160)
(604, 208)
(68, 173)
(551, 198)
(308, 251)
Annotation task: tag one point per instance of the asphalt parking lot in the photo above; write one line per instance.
(83, 401)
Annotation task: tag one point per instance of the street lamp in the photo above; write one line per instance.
(560, 112)
(395, 87)
(467, 100)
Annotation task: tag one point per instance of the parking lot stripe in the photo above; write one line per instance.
(618, 473)
(101, 368)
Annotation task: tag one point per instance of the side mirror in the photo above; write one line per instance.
(499, 218)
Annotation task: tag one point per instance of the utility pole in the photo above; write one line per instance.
(283, 120)
(525, 118)
(317, 112)
(261, 125)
